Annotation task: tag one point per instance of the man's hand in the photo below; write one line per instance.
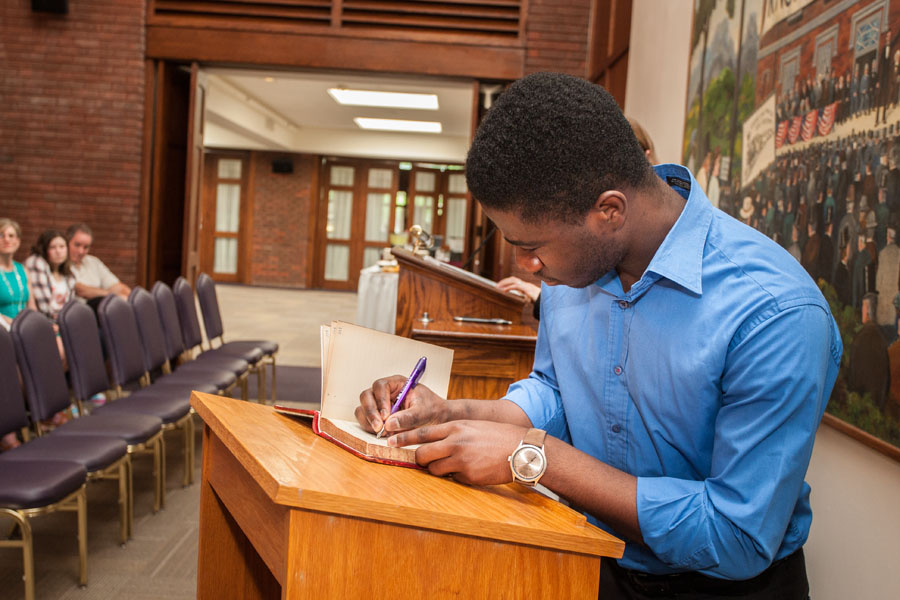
(473, 452)
(514, 284)
(421, 407)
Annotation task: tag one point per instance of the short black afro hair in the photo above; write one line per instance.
(549, 146)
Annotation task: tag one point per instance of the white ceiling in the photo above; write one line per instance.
(292, 111)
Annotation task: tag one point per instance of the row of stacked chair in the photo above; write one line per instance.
(142, 337)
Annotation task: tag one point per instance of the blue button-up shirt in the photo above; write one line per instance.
(706, 380)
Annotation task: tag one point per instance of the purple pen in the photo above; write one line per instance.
(410, 384)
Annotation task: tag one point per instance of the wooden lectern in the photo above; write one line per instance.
(486, 358)
(445, 292)
(287, 514)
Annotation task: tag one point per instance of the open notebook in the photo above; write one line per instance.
(353, 357)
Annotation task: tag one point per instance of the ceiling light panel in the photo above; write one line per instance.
(398, 125)
(384, 99)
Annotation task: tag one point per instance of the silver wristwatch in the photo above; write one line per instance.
(528, 461)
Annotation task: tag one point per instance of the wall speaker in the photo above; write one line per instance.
(57, 7)
(282, 165)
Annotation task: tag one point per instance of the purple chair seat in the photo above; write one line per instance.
(36, 483)
(133, 428)
(95, 452)
(264, 347)
(197, 379)
(235, 364)
(168, 407)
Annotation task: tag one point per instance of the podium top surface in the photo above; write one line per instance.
(296, 468)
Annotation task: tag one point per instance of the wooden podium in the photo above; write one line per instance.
(287, 514)
(486, 358)
(444, 292)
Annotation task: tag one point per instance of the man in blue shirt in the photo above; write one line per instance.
(682, 367)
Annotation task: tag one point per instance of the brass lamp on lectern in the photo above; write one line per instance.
(421, 239)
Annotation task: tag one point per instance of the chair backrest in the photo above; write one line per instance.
(187, 313)
(168, 316)
(12, 403)
(42, 370)
(123, 341)
(81, 339)
(209, 306)
(149, 327)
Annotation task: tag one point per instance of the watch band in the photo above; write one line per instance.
(535, 437)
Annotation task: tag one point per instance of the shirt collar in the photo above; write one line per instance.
(680, 257)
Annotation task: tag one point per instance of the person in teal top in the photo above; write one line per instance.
(15, 292)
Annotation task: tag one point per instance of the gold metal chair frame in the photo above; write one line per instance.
(77, 502)
(121, 471)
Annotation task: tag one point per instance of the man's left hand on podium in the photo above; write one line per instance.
(472, 452)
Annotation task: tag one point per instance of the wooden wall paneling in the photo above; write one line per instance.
(426, 57)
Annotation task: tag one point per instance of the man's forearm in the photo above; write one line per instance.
(500, 411)
(89, 291)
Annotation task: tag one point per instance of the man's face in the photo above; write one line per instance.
(79, 246)
(557, 252)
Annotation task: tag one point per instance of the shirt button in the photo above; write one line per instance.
(623, 304)
(616, 428)
(617, 370)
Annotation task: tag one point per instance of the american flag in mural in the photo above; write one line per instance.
(794, 132)
(826, 121)
(780, 134)
(809, 125)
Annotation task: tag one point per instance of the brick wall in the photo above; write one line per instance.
(282, 209)
(71, 117)
(557, 36)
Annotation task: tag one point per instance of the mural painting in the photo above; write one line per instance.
(793, 127)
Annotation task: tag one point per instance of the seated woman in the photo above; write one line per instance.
(15, 292)
(49, 272)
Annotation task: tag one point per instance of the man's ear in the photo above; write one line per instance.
(609, 210)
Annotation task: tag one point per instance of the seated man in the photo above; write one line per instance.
(93, 279)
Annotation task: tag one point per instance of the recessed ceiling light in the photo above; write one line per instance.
(398, 125)
(269, 79)
(384, 99)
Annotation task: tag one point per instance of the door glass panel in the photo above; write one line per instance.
(378, 217)
(337, 262)
(225, 256)
(425, 181)
(371, 256)
(228, 206)
(423, 212)
(381, 178)
(456, 183)
(342, 176)
(229, 168)
(456, 223)
(340, 213)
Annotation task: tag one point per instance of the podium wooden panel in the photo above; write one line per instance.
(444, 292)
(287, 514)
(486, 358)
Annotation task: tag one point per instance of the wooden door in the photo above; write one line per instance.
(193, 175)
(358, 201)
(224, 217)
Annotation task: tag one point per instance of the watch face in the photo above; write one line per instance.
(528, 463)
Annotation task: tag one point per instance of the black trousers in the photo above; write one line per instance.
(785, 579)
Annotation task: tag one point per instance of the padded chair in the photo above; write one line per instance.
(169, 402)
(212, 321)
(104, 454)
(190, 333)
(87, 372)
(29, 488)
(174, 342)
(155, 360)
